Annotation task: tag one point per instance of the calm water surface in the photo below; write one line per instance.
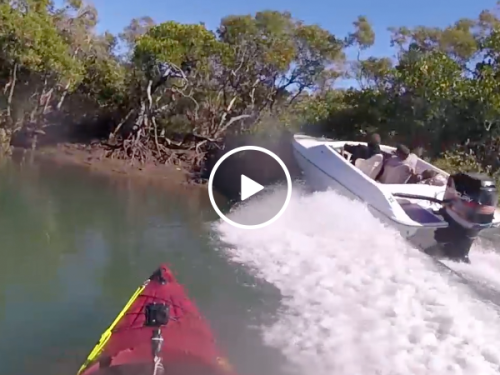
(75, 245)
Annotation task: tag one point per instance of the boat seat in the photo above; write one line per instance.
(399, 174)
(412, 161)
(372, 166)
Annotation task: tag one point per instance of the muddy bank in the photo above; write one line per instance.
(253, 165)
(93, 158)
(227, 182)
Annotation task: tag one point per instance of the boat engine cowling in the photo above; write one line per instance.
(469, 205)
(471, 199)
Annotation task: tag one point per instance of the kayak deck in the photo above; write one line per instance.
(187, 337)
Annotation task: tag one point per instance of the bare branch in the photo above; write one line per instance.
(125, 119)
(232, 121)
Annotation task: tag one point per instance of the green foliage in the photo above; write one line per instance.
(263, 73)
(31, 40)
(460, 161)
(363, 36)
(441, 94)
(465, 161)
(174, 43)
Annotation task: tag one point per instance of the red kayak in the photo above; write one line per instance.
(159, 331)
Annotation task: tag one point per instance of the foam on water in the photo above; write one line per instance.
(484, 268)
(357, 299)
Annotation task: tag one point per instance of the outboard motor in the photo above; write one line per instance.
(469, 206)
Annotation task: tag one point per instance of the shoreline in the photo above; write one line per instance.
(93, 159)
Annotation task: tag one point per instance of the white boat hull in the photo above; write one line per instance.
(319, 181)
(324, 168)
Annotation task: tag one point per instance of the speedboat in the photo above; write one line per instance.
(443, 221)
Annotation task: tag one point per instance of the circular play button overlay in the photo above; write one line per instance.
(262, 215)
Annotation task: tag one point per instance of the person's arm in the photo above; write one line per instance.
(387, 155)
(415, 178)
(350, 148)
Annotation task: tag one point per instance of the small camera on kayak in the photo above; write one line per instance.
(157, 314)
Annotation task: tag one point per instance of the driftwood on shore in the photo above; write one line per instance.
(179, 91)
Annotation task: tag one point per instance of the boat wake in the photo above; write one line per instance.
(358, 299)
(484, 270)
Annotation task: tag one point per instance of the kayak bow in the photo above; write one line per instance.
(158, 327)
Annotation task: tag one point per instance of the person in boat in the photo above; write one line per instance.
(373, 145)
(430, 177)
(392, 163)
(402, 155)
(364, 152)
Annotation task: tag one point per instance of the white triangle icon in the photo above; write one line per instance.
(249, 187)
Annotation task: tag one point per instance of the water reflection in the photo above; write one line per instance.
(75, 245)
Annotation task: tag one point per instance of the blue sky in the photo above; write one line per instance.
(337, 16)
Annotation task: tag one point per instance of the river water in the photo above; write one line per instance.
(326, 289)
(75, 245)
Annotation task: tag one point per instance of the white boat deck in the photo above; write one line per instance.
(325, 167)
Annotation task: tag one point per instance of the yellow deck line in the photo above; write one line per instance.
(109, 331)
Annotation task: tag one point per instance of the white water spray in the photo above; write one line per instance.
(485, 267)
(358, 299)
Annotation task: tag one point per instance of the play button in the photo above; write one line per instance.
(249, 187)
(261, 209)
